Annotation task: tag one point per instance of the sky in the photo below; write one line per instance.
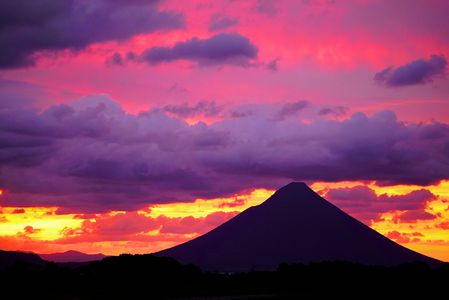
(132, 126)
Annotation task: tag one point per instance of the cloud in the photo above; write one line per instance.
(192, 225)
(411, 216)
(18, 94)
(129, 226)
(267, 7)
(119, 225)
(224, 48)
(235, 203)
(218, 22)
(420, 71)
(273, 65)
(363, 203)
(115, 59)
(91, 156)
(335, 111)
(443, 225)
(201, 108)
(30, 27)
(404, 238)
(30, 230)
(291, 109)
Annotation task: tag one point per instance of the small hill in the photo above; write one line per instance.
(71, 256)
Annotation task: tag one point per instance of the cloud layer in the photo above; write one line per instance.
(93, 156)
(363, 203)
(27, 27)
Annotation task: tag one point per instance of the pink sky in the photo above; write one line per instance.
(326, 52)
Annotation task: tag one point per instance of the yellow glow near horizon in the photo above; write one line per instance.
(434, 241)
(44, 220)
(203, 207)
(47, 225)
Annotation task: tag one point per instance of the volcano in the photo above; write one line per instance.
(295, 225)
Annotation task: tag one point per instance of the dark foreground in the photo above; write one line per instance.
(149, 277)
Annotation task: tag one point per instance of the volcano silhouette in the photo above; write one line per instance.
(295, 225)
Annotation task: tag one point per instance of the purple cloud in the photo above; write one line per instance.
(336, 111)
(19, 94)
(93, 156)
(365, 204)
(29, 27)
(201, 108)
(411, 216)
(224, 48)
(291, 109)
(218, 23)
(115, 59)
(420, 71)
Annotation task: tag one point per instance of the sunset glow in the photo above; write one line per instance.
(133, 126)
(43, 230)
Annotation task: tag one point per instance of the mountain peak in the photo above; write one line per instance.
(293, 194)
(295, 225)
(296, 186)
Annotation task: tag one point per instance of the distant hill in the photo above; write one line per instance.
(9, 258)
(71, 256)
(295, 225)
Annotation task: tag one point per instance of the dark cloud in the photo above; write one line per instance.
(28, 27)
(335, 111)
(201, 108)
(420, 71)
(115, 59)
(291, 109)
(224, 48)
(92, 156)
(241, 113)
(119, 59)
(273, 65)
(218, 22)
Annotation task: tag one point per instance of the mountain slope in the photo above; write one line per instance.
(293, 225)
(9, 258)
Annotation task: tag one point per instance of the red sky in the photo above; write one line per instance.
(132, 126)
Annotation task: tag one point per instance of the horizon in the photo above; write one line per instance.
(134, 126)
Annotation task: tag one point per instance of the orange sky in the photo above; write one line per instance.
(44, 230)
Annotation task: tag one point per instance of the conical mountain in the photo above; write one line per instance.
(295, 225)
